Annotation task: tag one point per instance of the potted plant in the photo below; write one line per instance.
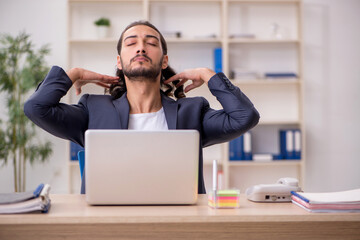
(21, 69)
(103, 26)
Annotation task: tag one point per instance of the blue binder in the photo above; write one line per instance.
(218, 60)
(237, 151)
(287, 144)
(297, 144)
(290, 143)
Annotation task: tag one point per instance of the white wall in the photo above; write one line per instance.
(46, 21)
(332, 85)
(332, 82)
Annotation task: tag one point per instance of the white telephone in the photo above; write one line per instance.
(278, 192)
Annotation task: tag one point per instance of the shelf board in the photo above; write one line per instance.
(262, 41)
(187, 40)
(193, 40)
(102, 1)
(168, 40)
(264, 1)
(279, 122)
(154, 1)
(105, 40)
(270, 163)
(73, 163)
(209, 161)
(266, 81)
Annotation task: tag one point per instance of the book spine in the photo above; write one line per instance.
(280, 75)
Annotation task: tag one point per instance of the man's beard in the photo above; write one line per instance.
(140, 73)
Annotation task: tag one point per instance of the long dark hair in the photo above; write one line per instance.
(118, 89)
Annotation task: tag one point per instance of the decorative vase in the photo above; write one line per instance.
(102, 31)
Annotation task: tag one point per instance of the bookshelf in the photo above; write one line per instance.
(205, 25)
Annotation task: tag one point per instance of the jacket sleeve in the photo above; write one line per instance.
(46, 111)
(237, 116)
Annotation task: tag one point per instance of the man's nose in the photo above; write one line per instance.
(141, 49)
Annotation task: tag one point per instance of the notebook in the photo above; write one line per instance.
(129, 167)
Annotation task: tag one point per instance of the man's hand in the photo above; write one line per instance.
(80, 77)
(198, 76)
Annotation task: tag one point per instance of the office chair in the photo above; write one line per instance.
(81, 158)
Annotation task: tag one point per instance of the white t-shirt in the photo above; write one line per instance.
(148, 121)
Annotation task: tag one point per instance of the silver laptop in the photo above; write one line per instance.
(128, 167)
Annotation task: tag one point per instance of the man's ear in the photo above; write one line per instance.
(165, 62)
(118, 64)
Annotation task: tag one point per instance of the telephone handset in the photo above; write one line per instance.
(278, 192)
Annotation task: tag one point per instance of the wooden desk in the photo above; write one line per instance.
(71, 218)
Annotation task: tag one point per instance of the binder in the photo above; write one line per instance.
(287, 144)
(236, 147)
(218, 60)
(247, 151)
(297, 144)
(232, 149)
(240, 148)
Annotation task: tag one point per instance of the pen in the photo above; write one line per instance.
(215, 182)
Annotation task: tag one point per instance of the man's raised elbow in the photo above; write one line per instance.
(30, 109)
(253, 118)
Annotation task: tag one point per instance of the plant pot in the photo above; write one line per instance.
(102, 31)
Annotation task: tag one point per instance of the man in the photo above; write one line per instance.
(141, 105)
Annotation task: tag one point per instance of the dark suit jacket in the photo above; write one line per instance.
(103, 112)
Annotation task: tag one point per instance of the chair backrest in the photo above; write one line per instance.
(81, 157)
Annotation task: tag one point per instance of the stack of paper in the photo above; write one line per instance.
(345, 201)
(22, 202)
(225, 199)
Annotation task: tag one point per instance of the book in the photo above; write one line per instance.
(280, 75)
(262, 157)
(344, 201)
(23, 202)
(243, 35)
(240, 74)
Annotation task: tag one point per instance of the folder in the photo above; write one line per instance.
(23, 202)
(343, 201)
